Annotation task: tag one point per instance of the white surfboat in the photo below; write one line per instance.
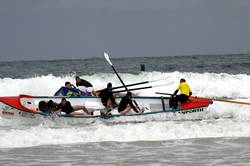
(23, 108)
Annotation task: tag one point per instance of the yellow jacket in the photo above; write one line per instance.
(184, 88)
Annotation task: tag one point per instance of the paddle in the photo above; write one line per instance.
(146, 87)
(140, 88)
(109, 61)
(139, 83)
(214, 99)
(118, 87)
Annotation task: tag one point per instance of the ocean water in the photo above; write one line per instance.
(220, 137)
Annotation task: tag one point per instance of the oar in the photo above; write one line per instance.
(230, 101)
(161, 93)
(109, 61)
(215, 99)
(145, 87)
(118, 87)
(107, 58)
(134, 84)
(118, 91)
(138, 83)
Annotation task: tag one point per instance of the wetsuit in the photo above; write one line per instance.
(124, 102)
(67, 108)
(47, 107)
(84, 83)
(105, 95)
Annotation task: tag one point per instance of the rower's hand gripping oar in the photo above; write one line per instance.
(109, 61)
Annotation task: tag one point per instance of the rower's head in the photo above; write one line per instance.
(129, 94)
(182, 80)
(68, 85)
(109, 85)
(50, 103)
(77, 79)
(63, 100)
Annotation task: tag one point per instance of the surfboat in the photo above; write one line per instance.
(25, 108)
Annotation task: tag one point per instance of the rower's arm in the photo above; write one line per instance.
(133, 106)
(175, 92)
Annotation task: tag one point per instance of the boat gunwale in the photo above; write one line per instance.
(95, 97)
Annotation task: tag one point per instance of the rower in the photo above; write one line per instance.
(47, 106)
(68, 90)
(107, 96)
(126, 104)
(186, 92)
(66, 107)
(84, 86)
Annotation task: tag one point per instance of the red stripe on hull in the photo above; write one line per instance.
(14, 101)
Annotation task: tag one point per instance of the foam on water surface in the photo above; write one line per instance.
(222, 119)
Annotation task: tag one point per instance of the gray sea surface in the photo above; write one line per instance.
(231, 64)
(230, 146)
(189, 152)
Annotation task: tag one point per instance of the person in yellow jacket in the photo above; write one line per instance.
(186, 92)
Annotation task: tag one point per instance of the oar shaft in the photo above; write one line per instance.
(160, 93)
(214, 99)
(231, 101)
(119, 78)
(109, 61)
(139, 83)
(147, 87)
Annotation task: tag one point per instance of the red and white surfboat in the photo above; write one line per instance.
(24, 108)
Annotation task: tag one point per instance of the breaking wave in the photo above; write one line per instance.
(222, 119)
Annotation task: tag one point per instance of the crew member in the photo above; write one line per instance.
(126, 104)
(70, 90)
(107, 96)
(84, 86)
(186, 92)
(65, 106)
(47, 106)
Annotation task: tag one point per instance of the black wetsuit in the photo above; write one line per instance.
(67, 108)
(84, 83)
(47, 107)
(173, 102)
(105, 95)
(124, 102)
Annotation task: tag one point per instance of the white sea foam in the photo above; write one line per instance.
(149, 131)
(207, 84)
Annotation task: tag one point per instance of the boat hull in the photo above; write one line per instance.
(23, 109)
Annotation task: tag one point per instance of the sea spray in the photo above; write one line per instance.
(221, 120)
(206, 84)
(148, 131)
